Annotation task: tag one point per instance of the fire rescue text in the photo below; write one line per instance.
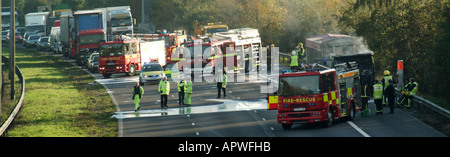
(227, 146)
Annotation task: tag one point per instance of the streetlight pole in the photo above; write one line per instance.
(12, 47)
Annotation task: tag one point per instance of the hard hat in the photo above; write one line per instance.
(294, 53)
(300, 44)
(386, 72)
(273, 45)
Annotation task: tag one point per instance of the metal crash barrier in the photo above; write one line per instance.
(7, 123)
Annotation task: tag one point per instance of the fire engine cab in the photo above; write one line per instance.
(317, 94)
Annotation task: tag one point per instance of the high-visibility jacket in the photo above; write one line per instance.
(164, 87)
(224, 83)
(181, 86)
(223, 80)
(365, 93)
(414, 89)
(189, 87)
(377, 91)
(137, 91)
(386, 81)
(294, 60)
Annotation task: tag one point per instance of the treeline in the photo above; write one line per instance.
(416, 31)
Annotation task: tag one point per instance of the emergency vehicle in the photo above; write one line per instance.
(247, 45)
(171, 40)
(317, 94)
(128, 55)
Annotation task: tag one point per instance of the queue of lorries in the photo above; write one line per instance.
(75, 34)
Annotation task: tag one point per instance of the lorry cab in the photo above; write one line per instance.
(317, 95)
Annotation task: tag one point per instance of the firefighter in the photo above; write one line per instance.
(377, 96)
(181, 91)
(222, 83)
(137, 92)
(188, 91)
(300, 50)
(403, 91)
(365, 95)
(411, 92)
(390, 94)
(385, 83)
(294, 61)
(164, 90)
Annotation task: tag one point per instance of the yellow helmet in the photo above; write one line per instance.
(300, 44)
(386, 72)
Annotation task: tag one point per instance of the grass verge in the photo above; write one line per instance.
(59, 101)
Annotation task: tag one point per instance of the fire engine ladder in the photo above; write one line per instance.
(347, 66)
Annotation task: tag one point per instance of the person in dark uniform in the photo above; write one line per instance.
(390, 94)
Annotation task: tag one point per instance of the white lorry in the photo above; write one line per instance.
(37, 22)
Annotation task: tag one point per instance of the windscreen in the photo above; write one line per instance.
(91, 39)
(111, 50)
(152, 67)
(299, 85)
(215, 30)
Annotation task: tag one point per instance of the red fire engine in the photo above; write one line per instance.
(211, 55)
(127, 55)
(317, 94)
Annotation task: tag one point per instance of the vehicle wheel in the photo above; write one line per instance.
(286, 126)
(330, 117)
(107, 75)
(132, 70)
(351, 116)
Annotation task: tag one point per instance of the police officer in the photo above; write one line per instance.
(294, 61)
(137, 92)
(222, 84)
(377, 96)
(390, 94)
(164, 90)
(188, 91)
(181, 91)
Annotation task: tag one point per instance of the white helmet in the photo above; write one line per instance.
(294, 53)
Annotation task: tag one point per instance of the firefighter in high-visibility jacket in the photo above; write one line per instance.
(137, 93)
(411, 92)
(294, 61)
(188, 91)
(377, 96)
(405, 92)
(385, 83)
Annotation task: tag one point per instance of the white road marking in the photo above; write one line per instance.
(358, 129)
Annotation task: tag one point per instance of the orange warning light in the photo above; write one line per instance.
(400, 65)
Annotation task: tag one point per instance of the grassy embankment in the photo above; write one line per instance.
(59, 100)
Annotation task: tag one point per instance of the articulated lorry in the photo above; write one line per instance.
(89, 32)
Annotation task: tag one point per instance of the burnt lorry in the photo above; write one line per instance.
(333, 49)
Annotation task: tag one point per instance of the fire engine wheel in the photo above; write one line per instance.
(329, 120)
(132, 70)
(351, 116)
(286, 126)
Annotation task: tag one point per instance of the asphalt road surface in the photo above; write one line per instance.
(241, 114)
